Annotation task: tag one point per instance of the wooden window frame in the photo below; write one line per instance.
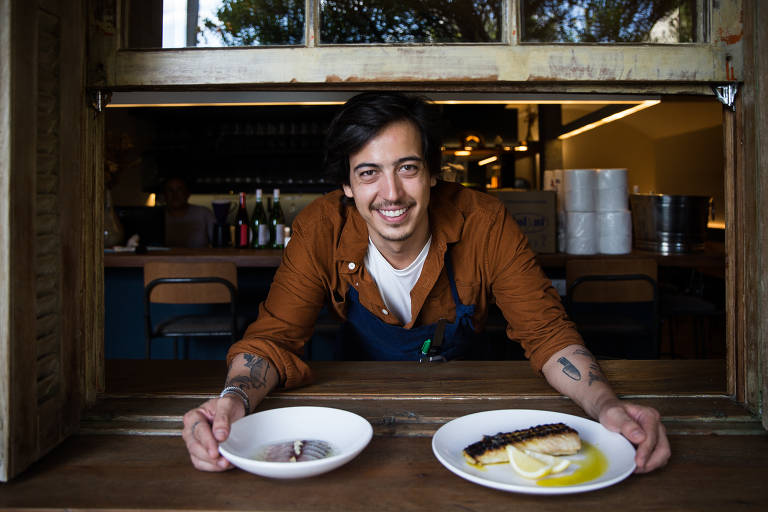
(508, 67)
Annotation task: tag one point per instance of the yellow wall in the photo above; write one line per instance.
(615, 145)
(692, 163)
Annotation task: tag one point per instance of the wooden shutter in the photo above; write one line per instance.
(41, 272)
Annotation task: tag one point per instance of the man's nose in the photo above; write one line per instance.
(393, 187)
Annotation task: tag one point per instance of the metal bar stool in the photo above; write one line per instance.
(191, 283)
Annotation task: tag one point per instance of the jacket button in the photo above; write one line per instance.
(351, 265)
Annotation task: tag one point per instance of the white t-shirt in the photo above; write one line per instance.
(395, 285)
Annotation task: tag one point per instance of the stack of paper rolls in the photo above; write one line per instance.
(580, 186)
(553, 180)
(614, 220)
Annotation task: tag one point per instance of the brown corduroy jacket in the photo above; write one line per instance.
(491, 261)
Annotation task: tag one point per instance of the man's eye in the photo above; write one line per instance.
(366, 172)
(409, 168)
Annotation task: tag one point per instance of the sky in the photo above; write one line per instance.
(175, 20)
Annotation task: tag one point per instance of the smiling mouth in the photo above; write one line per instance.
(393, 213)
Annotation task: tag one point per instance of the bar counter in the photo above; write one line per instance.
(713, 257)
(245, 258)
(719, 461)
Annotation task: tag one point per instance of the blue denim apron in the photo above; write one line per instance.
(366, 337)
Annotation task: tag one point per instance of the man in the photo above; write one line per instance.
(186, 225)
(403, 258)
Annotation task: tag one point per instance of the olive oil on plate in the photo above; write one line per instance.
(587, 465)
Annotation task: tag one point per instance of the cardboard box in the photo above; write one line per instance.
(535, 214)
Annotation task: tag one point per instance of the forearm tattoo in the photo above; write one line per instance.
(569, 369)
(257, 377)
(595, 373)
(583, 352)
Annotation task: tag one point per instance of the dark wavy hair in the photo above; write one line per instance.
(363, 116)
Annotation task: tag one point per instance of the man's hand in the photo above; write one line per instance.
(642, 427)
(574, 372)
(207, 426)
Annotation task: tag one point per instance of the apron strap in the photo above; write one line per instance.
(437, 338)
(439, 335)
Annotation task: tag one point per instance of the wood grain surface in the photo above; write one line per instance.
(129, 453)
(392, 473)
(400, 379)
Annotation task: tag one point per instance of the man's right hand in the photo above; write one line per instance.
(207, 426)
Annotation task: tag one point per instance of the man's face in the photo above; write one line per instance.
(390, 184)
(176, 194)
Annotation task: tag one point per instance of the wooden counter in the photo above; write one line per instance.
(720, 452)
(259, 258)
(712, 257)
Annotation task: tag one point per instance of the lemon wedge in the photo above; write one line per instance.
(527, 466)
(558, 463)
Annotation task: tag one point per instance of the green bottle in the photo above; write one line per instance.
(277, 222)
(259, 224)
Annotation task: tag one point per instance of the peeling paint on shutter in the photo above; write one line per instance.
(47, 238)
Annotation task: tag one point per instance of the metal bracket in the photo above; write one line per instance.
(726, 93)
(99, 99)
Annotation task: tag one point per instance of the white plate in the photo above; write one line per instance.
(347, 433)
(450, 440)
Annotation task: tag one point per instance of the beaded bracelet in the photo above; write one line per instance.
(234, 390)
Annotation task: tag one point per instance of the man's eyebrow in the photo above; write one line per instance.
(365, 164)
(408, 159)
(397, 162)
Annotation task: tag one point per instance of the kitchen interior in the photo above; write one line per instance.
(502, 144)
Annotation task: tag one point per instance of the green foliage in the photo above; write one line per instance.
(410, 21)
(259, 22)
(603, 21)
(281, 22)
(275, 22)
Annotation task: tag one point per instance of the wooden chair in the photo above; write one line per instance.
(191, 283)
(614, 304)
(690, 303)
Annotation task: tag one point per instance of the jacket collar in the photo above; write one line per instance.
(446, 222)
(353, 240)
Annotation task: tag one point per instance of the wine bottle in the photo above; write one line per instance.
(259, 224)
(242, 230)
(277, 222)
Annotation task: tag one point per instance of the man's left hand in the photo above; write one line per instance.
(642, 427)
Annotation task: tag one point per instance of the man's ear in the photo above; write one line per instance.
(348, 191)
(433, 180)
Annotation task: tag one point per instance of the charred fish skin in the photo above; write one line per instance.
(551, 439)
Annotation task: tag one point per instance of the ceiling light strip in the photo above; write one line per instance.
(618, 115)
(126, 99)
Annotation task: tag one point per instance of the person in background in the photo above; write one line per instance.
(186, 225)
(403, 257)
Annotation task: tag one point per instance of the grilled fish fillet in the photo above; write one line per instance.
(551, 439)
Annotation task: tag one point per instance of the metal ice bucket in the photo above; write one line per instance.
(670, 223)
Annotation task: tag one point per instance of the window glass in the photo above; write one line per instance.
(251, 22)
(215, 23)
(618, 21)
(410, 21)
